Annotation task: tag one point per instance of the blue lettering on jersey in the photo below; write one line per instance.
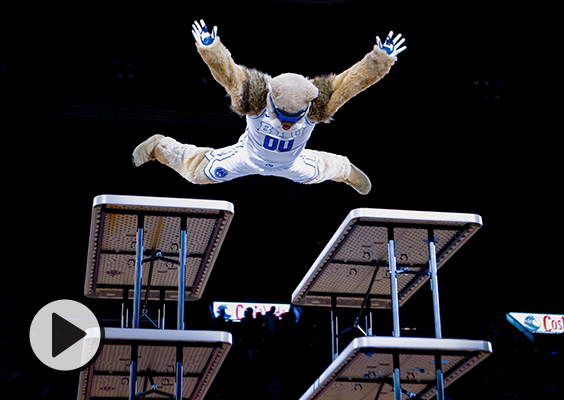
(285, 145)
(298, 133)
(272, 144)
(265, 128)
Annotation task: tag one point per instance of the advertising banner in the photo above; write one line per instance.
(234, 311)
(530, 323)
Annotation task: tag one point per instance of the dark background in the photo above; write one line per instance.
(459, 125)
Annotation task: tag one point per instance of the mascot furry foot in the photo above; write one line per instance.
(281, 114)
(358, 180)
(145, 151)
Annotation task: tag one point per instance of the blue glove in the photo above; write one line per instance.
(202, 35)
(392, 47)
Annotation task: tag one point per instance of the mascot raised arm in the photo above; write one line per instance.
(280, 112)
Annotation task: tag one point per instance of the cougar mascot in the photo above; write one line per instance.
(281, 114)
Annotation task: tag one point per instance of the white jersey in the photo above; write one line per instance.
(265, 150)
(277, 148)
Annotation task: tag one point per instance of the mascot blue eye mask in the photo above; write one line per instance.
(288, 117)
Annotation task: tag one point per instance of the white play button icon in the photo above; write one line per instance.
(65, 335)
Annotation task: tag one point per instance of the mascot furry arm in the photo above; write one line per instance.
(281, 113)
(248, 87)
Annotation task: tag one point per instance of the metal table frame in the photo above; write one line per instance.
(130, 344)
(463, 227)
(106, 206)
(107, 209)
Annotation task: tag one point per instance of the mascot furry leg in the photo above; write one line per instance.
(189, 161)
(186, 159)
(339, 169)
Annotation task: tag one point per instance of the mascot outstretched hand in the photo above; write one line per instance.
(281, 113)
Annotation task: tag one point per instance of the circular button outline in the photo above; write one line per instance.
(77, 356)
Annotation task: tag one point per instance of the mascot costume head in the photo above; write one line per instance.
(290, 97)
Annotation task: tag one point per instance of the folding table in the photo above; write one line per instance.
(156, 249)
(379, 258)
(159, 363)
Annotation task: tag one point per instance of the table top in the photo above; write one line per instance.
(113, 235)
(364, 370)
(345, 267)
(203, 353)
